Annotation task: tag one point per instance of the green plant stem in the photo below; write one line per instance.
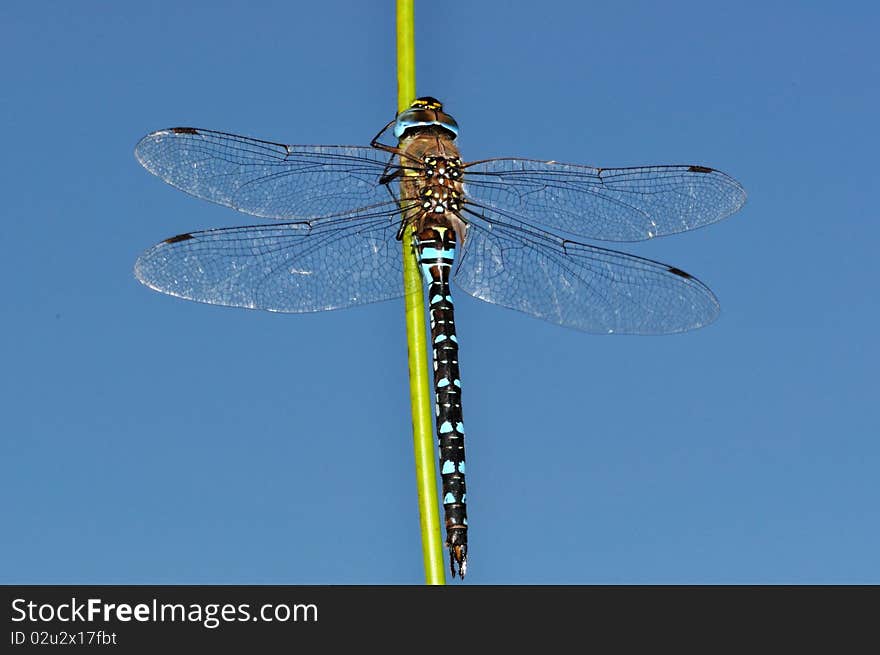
(417, 343)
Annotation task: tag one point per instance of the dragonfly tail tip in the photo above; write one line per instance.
(458, 560)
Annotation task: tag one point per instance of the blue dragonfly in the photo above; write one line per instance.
(509, 231)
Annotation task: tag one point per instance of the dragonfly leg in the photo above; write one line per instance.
(387, 177)
(374, 142)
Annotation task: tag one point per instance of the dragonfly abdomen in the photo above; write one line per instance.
(436, 252)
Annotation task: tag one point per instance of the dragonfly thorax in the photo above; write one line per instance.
(442, 169)
(439, 200)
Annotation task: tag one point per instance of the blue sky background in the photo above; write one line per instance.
(147, 439)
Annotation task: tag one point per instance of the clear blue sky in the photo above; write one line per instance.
(147, 439)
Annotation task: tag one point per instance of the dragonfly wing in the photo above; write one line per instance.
(282, 267)
(611, 204)
(266, 179)
(578, 285)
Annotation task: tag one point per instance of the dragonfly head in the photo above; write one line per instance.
(424, 112)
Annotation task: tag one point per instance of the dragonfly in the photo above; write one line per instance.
(509, 231)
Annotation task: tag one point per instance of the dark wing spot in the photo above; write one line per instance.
(700, 169)
(680, 273)
(184, 130)
(179, 238)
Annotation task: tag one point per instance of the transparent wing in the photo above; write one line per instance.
(282, 267)
(579, 285)
(611, 204)
(266, 179)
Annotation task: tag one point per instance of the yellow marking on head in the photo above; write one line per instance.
(427, 103)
